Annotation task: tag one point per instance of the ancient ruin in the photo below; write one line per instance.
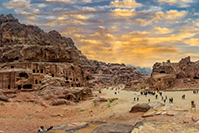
(167, 75)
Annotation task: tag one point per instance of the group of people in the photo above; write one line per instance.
(116, 90)
(156, 94)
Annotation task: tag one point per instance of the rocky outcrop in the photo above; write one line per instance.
(34, 60)
(114, 128)
(100, 74)
(3, 97)
(143, 107)
(164, 127)
(167, 75)
(16, 33)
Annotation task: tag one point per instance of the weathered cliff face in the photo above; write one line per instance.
(100, 74)
(21, 44)
(168, 75)
(12, 32)
(39, 54)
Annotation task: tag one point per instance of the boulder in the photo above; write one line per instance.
(58, 102)
(140, 107)
(4, 98)
(195, 119)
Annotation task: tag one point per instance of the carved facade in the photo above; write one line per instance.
(27, 75)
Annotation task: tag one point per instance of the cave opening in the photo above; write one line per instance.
(19, 87)
(68, 98)
(162, 71)
(27, 86)
(23, 75)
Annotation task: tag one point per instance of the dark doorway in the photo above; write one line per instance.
(16, 58)
(37, 71)
(162, 71)
(40, 82)
(87, 78)
(67, 82)
(12, 66)
(23, 75)
(196, 78)
(33, 70)
(29, 86)
(35, 81)
(68, 98)
(66, 78)
(8, 86)
(52, 75)
(19, 87)
(41, 71)
(72, 85)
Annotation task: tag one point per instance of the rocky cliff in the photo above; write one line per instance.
(167, 75)
(111, 74)
(25, 43)
(20, 43)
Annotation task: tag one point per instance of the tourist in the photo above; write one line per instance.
(164, 100)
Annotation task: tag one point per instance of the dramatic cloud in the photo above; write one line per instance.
(137, 32)
(171, 14)
(66, 1)
(123, 12)
(163, 30)
(125, 3)
(181, 3)
(20, 4)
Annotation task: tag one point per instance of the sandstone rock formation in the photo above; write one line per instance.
(102, 74)
(29, 47)
(143, 107)
(167, 75)
(114, 128)
(31, 59)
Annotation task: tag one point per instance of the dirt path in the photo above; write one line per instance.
(28, 117)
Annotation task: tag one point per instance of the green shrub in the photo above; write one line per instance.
(100, 91)
(95, 103)
(111, 100)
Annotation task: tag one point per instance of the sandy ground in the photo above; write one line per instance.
(28, 117)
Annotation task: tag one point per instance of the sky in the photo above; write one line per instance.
(137, 32)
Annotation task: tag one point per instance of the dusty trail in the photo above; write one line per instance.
(28, 117)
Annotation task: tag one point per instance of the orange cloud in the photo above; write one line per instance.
(163, 30)
(125, 3)
(123, 12)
